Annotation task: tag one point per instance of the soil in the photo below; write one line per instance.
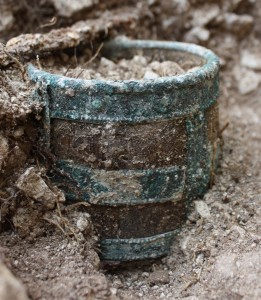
(139, 67)
(51, 247)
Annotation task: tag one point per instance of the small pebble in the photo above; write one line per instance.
(159, 277)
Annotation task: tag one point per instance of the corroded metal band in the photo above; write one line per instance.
(123, 187)
(134, 100)
(137, 249)
(203, 151)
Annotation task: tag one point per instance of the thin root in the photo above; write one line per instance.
(91, 59)
(56, 224)
(18, 63)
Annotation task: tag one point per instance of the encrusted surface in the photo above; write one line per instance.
(123, 187)
(137, 150)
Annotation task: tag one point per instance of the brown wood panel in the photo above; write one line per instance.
(139, 220)
(121, 146)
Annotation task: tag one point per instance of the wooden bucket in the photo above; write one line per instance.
(136, 150)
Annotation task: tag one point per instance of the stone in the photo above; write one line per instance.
(247, 80)
(139, 60)
(67, 8)
(170, 23)
(10, 287)
(181, 6)
(4, 149)
(149, 74)
(205, 14)
(32, 185)
(233, 4)
(239, 230)
(83, 223)
(105, 62)
(202, 209)
(117, 283)
(159, 277)
(6, 20)
(251, 60)
(226, 265)
(166, 68)
(197, 34)
(238, 24)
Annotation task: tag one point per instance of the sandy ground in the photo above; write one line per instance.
(217, 253)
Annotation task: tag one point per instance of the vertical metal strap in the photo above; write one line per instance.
(198, 158)
(41, 95)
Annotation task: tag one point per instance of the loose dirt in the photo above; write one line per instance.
(139, 67)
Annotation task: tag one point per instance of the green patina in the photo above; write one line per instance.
(159, 185)
(198, 157)
(145, 248)
(102, 101)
